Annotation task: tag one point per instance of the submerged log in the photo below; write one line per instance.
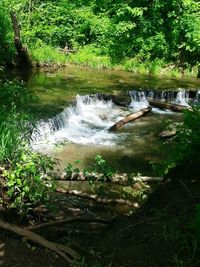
(130, 118)
(167, 105)
(24, 59)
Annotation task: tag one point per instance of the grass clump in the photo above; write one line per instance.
(44, 54)
(90, 56)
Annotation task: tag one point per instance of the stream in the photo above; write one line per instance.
(74, 120)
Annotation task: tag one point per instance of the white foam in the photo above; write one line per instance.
(85, 123)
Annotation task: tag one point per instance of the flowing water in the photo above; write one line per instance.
(74, 119)
(74, 125)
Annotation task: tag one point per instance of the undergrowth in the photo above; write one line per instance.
(23, 173)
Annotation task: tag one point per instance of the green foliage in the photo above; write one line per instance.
(6, 46)
(90, 56)
(107, 33)
(72, 168)
(14, 130)
(15, 94)
(46, 54)
(101, 166)
(16, 123)
(26, 182)
(186, 147)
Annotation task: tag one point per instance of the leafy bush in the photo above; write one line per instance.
(186, 147)
(26, 183)
(101, 167)
(72, 168)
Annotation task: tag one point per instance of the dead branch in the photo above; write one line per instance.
(65, 252)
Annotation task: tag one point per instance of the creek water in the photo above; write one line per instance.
(74, 120)
(73, 125)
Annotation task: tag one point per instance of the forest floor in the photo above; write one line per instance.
(158, 234)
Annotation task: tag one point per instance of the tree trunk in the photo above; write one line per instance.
(167, 105)
(130, 118)
(24, 59)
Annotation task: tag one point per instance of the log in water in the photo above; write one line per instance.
(167, 105)
(130, 118)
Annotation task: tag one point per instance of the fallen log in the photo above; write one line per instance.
(168, 105)
(130, 118)
(96, 198)
(82, 219)
(65, 252)
(120, 179)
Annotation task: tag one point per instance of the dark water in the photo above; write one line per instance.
(57, 89)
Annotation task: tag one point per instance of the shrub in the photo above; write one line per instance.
(26, 183)
(186, 147)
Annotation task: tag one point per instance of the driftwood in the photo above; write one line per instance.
(24, 59)
(167, 105)
(130, 118)
(120, 179)
(96, 198)
(65, 252)
(82, 219)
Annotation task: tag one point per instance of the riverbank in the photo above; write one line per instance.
(52, 58)
(160, 233)
(46, 56)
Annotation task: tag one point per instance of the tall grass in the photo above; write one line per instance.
(91, 57)
(15, 131)
(45, 54)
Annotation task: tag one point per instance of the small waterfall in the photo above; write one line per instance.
(88, 121)
(139, 99)
(85, 123)
(182, 98)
